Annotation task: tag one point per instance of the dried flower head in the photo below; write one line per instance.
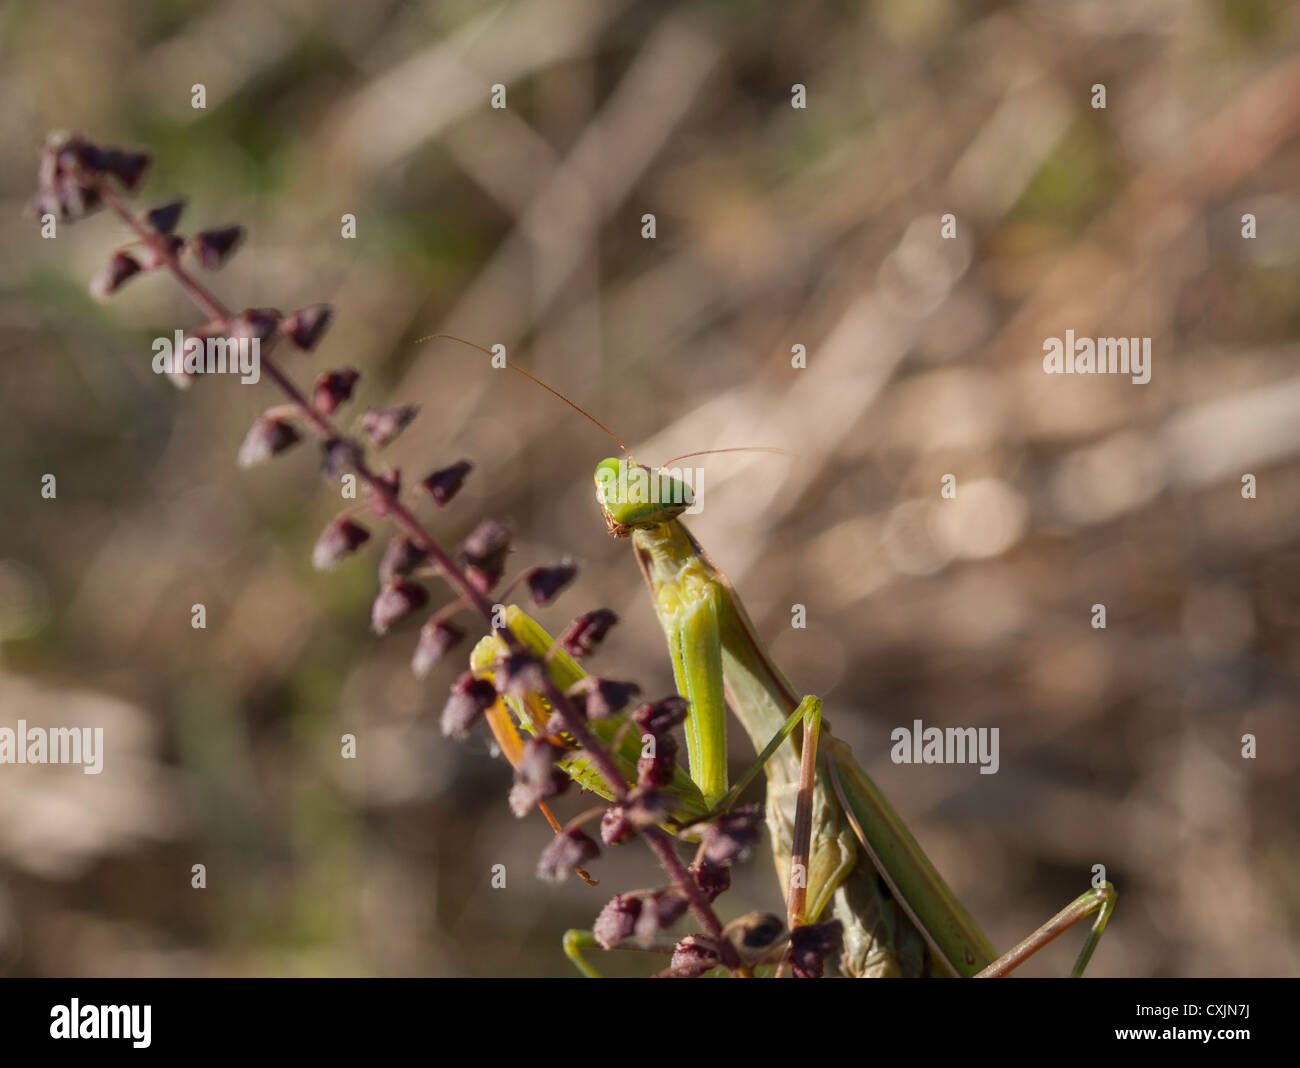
(585, 633)
(437, 638)
(545, 583)
(214, 247)
(660, 909)
(566, 851)
(712, 879)
(520, 674)
(340, 538)
(267, 437)
(693, 956)
(382, 425)
(485, 553)
(599, 698)
(659, 717)
(305, 327)
(389, 479)
(446, 482)
(732, 835)
(812, 944)
(400, 558)
(163, 218)
(657, 767)
(536, 776)
(334, 389)
(617, 920)
(469, 698)
(396, 601)
(114, 274)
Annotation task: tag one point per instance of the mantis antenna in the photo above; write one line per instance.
(738, 448)
(534, 378)
(583, 412)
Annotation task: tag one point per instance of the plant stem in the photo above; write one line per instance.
(656, 839)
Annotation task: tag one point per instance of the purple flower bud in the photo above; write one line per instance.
(214, 247)
(163, 219)
(76, 198)
(127, 167)
(485, 553)
(692, 957)
(545, 583)
(645, 808)
(396, 601)
(470, 697)
(520, 674)
(437, 639)
(400, 558)
(307, 325)
(811, 945)
(445, 483)
(587, 632)
(155, 258)
(120, 267)
(73, 150)
(266, 437)
(660, 909)
(537, 761)
(333, 389)
(391, 479)
(255, 323)
(382, 425)
(617, 920)
(712, 879)
(341, 538)
(525, 796)
(659, 717)
(732, 835)
(602, 697)
(66, 179)
(566, 851)
(338, 454)
(615, 827)
(536, 776)
(657, 770)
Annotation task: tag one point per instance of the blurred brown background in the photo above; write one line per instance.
(776, 227)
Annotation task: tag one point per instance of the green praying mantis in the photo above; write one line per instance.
(840, 847)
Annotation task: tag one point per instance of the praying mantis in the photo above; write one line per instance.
(840, 847)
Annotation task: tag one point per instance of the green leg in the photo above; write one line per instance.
(575, 941)
(697, 669)
(1100, 900)
(806, 706)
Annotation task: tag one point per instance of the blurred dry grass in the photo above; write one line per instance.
(776, 227)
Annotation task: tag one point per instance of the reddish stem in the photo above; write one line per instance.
(404, 518)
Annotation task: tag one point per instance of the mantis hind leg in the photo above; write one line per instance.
(575, 941)
(1099, 900)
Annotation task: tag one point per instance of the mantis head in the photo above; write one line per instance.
(632, 497)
